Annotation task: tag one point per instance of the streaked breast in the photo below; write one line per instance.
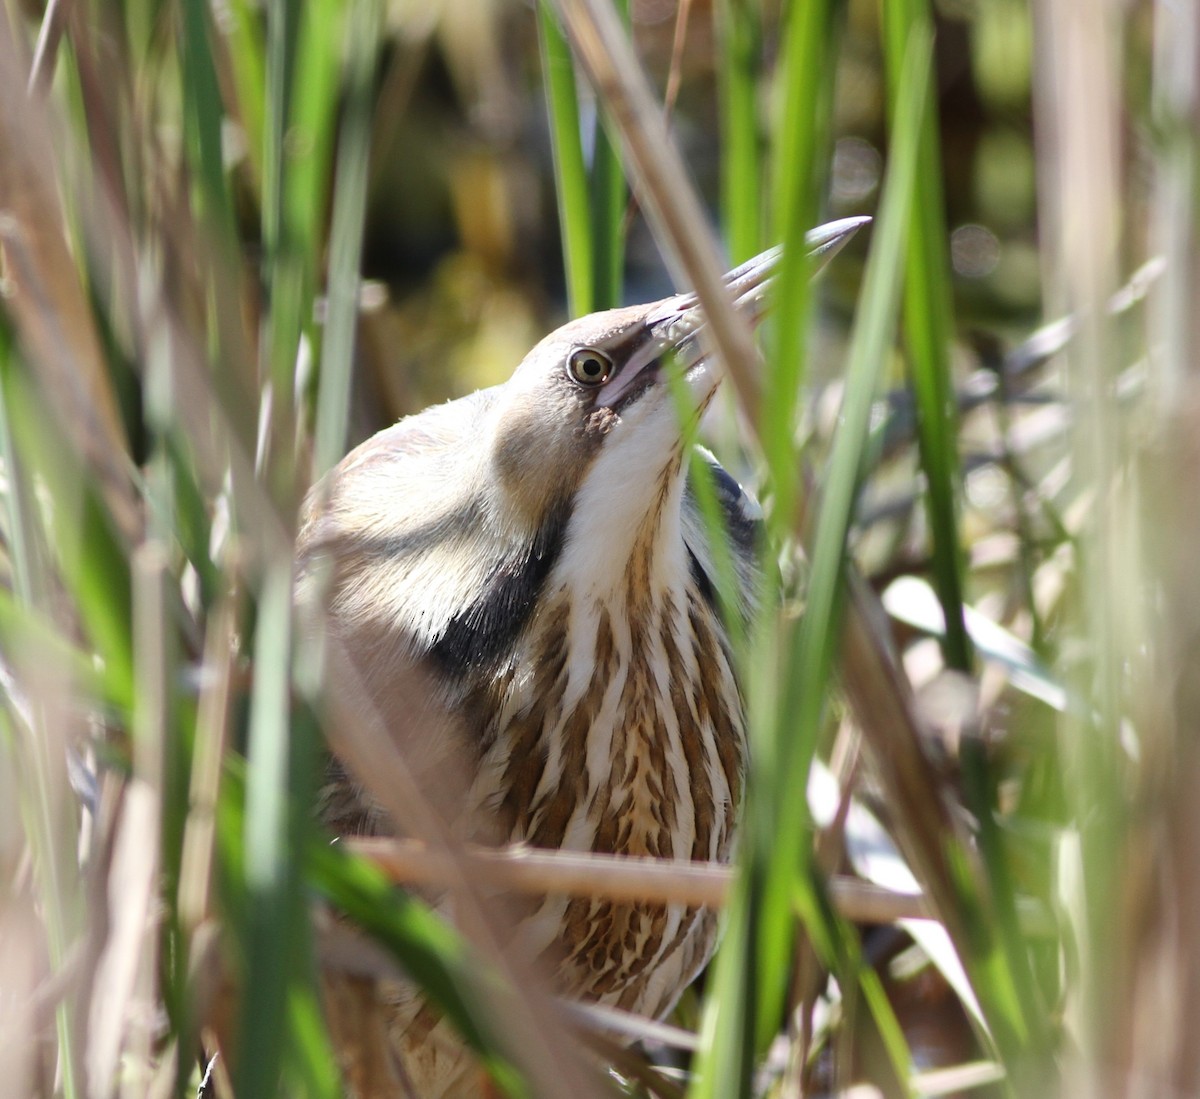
(618, 728)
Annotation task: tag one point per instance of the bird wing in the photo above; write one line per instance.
(742, 520)
(381, 542)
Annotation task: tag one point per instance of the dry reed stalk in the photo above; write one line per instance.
(616, 877)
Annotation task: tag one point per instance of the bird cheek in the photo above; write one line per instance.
(532, 472)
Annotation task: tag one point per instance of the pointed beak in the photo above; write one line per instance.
(677, 321)
(749, 282)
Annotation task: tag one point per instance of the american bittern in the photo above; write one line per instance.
(537, 549)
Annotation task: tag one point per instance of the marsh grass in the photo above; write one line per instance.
(183, 194)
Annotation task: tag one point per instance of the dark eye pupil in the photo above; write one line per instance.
(589, 367)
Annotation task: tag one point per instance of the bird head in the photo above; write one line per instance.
(596, 388)
(444, 527)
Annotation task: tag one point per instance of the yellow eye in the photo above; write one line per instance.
(589, 367)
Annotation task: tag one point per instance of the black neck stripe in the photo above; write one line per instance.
(481, 637)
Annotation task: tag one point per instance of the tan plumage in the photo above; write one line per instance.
(536, 550)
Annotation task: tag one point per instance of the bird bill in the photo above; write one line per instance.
(678, 321)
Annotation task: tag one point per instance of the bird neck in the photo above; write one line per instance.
(625, 532)
(617, 725)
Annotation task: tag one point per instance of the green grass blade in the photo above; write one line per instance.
(1004, 977)
(303, 54)
(346, 235)
(282, 31)
(80, 533)
(803, 700)
(839, 947)
(609, 196)
(248, 66)
(313, 1064)
(570, 172)
(193, 522)
(874, 327)
(310, 1064)
(309, 140)
(739, 45)
(800, 137)
(284, 269)
(754, 956)
(20, 526)
(274, 901)
(928, 326)
(203, 111)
